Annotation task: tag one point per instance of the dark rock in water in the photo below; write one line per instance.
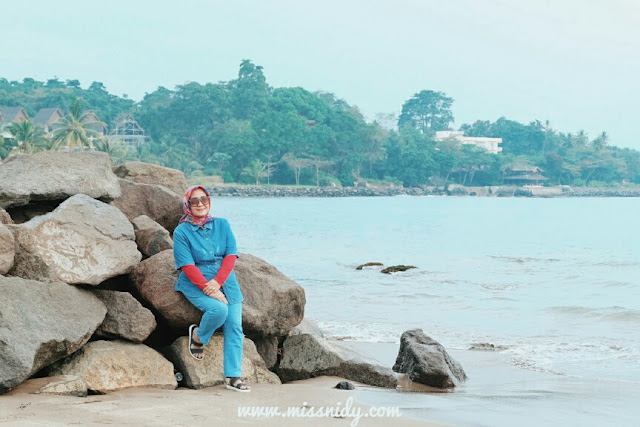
(396, 268)
(425, 361)
(306, 356)
(369, 264)
(483, 346)
(345, 385)
(307, 327)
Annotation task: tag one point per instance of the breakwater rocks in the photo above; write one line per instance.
(271, 191)
(450, 190)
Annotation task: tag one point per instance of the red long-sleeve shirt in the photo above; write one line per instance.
(196, 277)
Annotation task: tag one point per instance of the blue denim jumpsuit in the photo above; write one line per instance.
(205, 247)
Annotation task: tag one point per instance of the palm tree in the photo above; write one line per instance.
(115, 149)
(76, 130)
(29, 138)
(257, 170)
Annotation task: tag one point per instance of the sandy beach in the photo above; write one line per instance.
(209, 406)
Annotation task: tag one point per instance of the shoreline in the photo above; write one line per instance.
(232, 190)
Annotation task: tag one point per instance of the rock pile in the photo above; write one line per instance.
(78, 302)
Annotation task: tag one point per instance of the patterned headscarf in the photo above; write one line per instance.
(186, 208)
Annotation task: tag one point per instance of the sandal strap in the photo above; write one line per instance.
(196, 350)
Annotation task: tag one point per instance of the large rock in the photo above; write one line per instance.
(126, 317)
(151, 238)
(7, 249)
(308, 327)
(273, 303)
(145, 173)
(267, 348)
(41, 323)
(114, 365)
(154, 280)
(158, 203)
(5, 218)
(425, 361)
(82, 241)
(307, 356)
(53, 175)
(208, 372)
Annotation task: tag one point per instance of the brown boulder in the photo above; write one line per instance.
(126, 317)
(158, 203)
(151, 238)
(54, 175)
(41, 323)
(83, 241)
(273, 303)
(114, 365)
(154, 280)
(208, 372)
(7, 249)
(146, 173)
(5, 218)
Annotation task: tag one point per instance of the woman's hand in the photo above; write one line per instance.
(213, 290)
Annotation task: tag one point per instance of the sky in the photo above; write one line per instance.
(574, 63)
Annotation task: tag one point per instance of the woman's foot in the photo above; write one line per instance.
(236, 384)
(195, 345)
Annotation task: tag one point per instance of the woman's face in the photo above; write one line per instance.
(200, 208)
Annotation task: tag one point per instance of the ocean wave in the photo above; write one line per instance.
(523, 259)
(614, 313)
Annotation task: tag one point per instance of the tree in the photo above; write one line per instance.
(427, 111)
(296, 164)
(29, 138)
(257, 170)
(250, 91)
(76, 130)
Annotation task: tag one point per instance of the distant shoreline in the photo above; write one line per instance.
(452, 190)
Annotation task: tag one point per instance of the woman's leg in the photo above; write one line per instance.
(214, 313)
(233, 341)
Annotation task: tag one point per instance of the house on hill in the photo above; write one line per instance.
(492, 145)
(96, 124)
(9, 115)
(523, 174)
(47, 117)
(128, 131)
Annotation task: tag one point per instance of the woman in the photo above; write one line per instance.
(205, 251)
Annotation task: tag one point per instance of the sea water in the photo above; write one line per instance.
(553, 284)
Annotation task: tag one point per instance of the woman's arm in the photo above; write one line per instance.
(194, 275)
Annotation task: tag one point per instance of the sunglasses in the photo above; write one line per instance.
(195, 201)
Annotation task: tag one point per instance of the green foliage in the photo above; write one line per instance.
(246, 130)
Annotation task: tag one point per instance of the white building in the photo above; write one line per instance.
(492, 145)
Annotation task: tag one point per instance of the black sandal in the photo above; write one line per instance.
(192, 343)
(236, 384)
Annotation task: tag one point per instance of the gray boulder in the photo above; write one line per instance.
(7, 249)
(82, 241)
(306, 356)
(115, 365)
(151, 238)
(5, 218)
(146, 173)
(273, 304)
(208, 372)
(307, 327)
(154, 280)
(157, 202)
(267, 348)
(53, 175)
(41, 323)
(425, 361)
(126, 317)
